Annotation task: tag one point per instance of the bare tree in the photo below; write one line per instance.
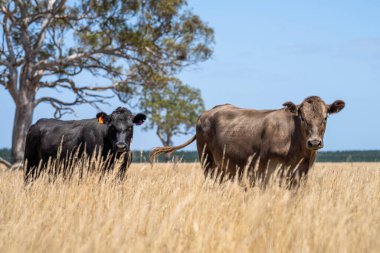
(45, 44)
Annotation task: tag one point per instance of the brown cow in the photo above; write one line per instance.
(229, 137)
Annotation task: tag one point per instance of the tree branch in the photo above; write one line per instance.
(90, 55)
(54, 8)
(23, 23)
(179, 132)
(10, 61)
(70, 84)
(11, 57)
(62, 107)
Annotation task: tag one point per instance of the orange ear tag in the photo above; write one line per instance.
(101, 120)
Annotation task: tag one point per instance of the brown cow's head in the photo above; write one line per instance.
(312, 113)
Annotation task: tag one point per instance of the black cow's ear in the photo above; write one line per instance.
(139, 118)
(337, 106)
(290, 107)
(103, 118)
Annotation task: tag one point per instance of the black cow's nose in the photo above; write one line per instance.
(121, 145)
(314, 143)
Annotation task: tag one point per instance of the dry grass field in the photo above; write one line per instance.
(172, 208)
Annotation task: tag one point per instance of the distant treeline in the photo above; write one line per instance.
(323, 156)
(192, 156)
(5, 153)
(349, 156)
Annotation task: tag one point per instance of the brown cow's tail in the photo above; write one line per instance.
(168, 149)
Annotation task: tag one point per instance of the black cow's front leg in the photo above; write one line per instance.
(127, 160)
(28, 174)
(122, 172)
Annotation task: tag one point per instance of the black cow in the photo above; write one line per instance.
(112, 134)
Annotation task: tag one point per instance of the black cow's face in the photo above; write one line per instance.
(120, 124)
(313, 112)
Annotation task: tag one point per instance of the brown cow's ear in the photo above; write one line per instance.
(103, 118)
(337, 106)
(290, 107)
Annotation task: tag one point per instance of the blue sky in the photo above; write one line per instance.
(270, 52)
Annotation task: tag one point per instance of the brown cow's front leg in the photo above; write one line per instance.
(298, 174)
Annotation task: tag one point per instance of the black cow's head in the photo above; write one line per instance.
(312, 114)
(120, 127)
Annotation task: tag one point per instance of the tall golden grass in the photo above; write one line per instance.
(173, 208)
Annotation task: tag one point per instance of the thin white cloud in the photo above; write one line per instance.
(361, 49)
(305, 48)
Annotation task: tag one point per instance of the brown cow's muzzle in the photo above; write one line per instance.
(314, 144)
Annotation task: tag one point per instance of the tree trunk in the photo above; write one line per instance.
(22, 122)
(165, 141)
(168, 142)
(167, 157)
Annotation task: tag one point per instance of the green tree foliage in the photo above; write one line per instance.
(45, 44)
(173, 108)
